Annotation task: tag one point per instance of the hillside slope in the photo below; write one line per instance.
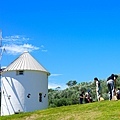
(104, 110)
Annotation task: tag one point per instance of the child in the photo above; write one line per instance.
(88, 97)
(118, 93)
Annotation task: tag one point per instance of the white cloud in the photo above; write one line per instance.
(16, 49)
(42, 46)
(16, 39)
(44, 50)
(54, 86)
(55, 75)
(17, 44)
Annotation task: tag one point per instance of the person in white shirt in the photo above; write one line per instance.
(97, 82)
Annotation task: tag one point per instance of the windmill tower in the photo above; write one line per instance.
(24, 86)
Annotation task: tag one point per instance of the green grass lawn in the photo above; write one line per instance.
(104, 110)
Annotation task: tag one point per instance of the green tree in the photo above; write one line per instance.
(71, 83)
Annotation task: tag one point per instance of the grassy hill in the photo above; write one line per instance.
(104, 110)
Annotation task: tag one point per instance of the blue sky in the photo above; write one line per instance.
(74, 40)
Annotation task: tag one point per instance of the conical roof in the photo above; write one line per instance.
(25, 62)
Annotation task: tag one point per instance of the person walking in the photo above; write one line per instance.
(111, 82)
(97, 82)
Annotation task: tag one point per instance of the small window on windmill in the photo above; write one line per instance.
(40, 97)
(20, 72)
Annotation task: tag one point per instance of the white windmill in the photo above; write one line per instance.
(24, 86)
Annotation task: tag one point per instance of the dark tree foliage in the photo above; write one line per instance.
(71, 83)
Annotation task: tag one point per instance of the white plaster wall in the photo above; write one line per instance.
(37, 82)
(33, 83)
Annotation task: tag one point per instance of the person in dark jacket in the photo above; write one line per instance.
(82, 97)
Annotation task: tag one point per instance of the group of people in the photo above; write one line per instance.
(86, 96)
(111, 84)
